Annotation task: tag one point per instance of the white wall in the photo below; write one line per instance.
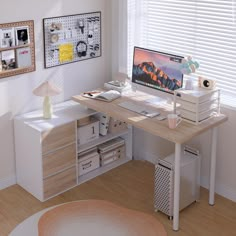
(16, 92)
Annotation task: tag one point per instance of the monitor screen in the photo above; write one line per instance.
(157, 70)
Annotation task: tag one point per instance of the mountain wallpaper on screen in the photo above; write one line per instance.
(147, 72)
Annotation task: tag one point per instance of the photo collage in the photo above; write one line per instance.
(14, 48)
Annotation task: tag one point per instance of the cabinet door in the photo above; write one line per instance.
(58, 137)
(60, 182)
(61, 159)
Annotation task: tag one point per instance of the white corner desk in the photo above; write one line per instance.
(183, 133)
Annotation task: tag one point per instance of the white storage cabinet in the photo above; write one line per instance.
(47, 150)
(196, 106)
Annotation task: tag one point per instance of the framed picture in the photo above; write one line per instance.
(17, 48)
(7, 37)
(22, 35)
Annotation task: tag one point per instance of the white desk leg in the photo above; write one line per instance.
(213, 166)
(177, 186)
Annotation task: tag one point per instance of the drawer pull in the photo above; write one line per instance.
(87, 165)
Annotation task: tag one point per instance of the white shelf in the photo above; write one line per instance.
(102, 170)
(100, 140)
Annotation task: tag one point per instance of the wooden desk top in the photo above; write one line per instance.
(183, 133)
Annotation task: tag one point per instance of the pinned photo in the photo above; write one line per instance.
(8, 60)
(22, 35)
(7, 37)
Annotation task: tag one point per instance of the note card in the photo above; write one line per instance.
(66, 52)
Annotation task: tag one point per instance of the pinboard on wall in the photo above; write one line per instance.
(17, 49)
(71, 38)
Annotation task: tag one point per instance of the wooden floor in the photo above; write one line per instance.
(131, 186)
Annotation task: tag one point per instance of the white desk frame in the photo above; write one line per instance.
(177, 177)
(160, 128)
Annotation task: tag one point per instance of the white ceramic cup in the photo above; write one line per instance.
(173, 120)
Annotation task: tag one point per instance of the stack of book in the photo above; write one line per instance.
(118, 86)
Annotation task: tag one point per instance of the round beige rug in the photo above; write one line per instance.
(89, 218)
(95, 217)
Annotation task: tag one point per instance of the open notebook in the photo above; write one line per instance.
(106, 96)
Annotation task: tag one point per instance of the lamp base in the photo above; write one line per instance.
(47, 108)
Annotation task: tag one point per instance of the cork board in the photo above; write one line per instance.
(17, 49)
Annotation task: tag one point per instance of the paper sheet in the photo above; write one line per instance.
(66, 52)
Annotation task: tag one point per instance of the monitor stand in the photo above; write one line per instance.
(158, 97)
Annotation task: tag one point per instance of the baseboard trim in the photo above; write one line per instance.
(7, 182)
(221, 189)
(224, 191)
(153, 158)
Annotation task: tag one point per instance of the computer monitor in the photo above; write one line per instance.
(156, 71)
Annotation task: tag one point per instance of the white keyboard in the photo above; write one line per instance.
(141, 109)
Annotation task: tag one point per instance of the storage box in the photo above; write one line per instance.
(196, 106)
(89, 151)
(111, 150)
(88, 162)
(83, 121)
(88, 132)
(201, 107)
(116, 125)
(198, 95)
(200, 116)
(111, 144)
(112, 155)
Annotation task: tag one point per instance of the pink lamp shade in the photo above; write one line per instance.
(46, 89)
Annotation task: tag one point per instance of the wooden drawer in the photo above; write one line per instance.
(59, 182)
(59, 160)
(58, 137)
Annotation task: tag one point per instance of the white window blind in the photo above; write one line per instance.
(205, 29)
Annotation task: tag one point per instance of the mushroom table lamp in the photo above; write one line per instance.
(46, 90)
